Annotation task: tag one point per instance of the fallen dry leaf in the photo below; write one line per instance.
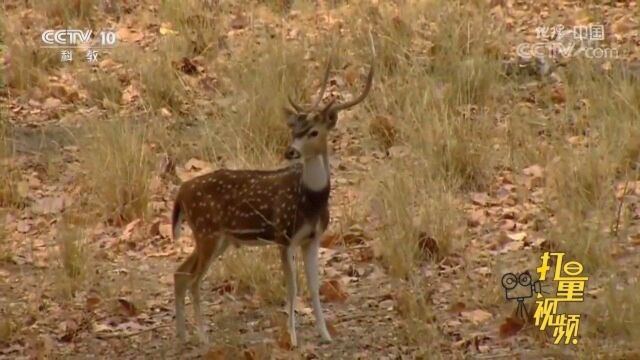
(512, 246)
(258, 352)
(49, 205)
(332, 291)
(558, 95)
(477, 217)
(484, 271)
(239, 22)
(166, 231)
(510, 327)
(188, 67)
(127, 307)
(622, 25)
(129, 229)
(351, 75)
(70, 329)
(329, 240)
(92, 303)
(535, 171)
(165, 29)
(226, 287)
(217, 353)
(457, 307)
(480, 198)
(169, 252)
(51, 103)
(24, 226)
(126, 35)
(284, 340)
(477, 316)
(130, 94)
(519, 236)
(331, 328)
(354, 236)
(383, 129)
(196, 164)
(507, 225)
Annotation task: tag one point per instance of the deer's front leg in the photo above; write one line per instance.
(288, 266)
(310, 250)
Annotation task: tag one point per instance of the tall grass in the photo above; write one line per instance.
(118, 166)
(10, 176)
(250, 129)
(73, 260)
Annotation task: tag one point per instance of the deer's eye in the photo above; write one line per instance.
(313, 133)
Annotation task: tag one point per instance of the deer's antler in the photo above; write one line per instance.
(339, 107)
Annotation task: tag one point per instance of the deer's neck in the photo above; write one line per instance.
(315, 173)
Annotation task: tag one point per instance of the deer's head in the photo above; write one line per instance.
(310, 126)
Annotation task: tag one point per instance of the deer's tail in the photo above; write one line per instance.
(176, 220)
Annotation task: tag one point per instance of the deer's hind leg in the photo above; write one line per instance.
(182, 278)
(209, 250)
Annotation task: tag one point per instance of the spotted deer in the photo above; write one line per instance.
(287, 207)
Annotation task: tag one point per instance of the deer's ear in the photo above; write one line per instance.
(291, 115)
(332, 119)
(289, 111)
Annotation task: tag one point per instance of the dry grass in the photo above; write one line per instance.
(417, 208)
(161, 82)
(605, 156)
(9, 195)
(459, 120)
(198, 30)
(419, 325)
(104, 88)
(66, 12)
(118, 167)
(583, 219)
(415, 205)
(617, 313)
(73, 260)
(257, 271)
(442, 105)
(253, 115)
(440, 101)
(27, 67)
(8, 328)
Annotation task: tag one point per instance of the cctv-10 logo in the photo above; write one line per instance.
(75, 37)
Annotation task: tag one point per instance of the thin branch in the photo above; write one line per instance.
(619, 212)
(135, 333)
